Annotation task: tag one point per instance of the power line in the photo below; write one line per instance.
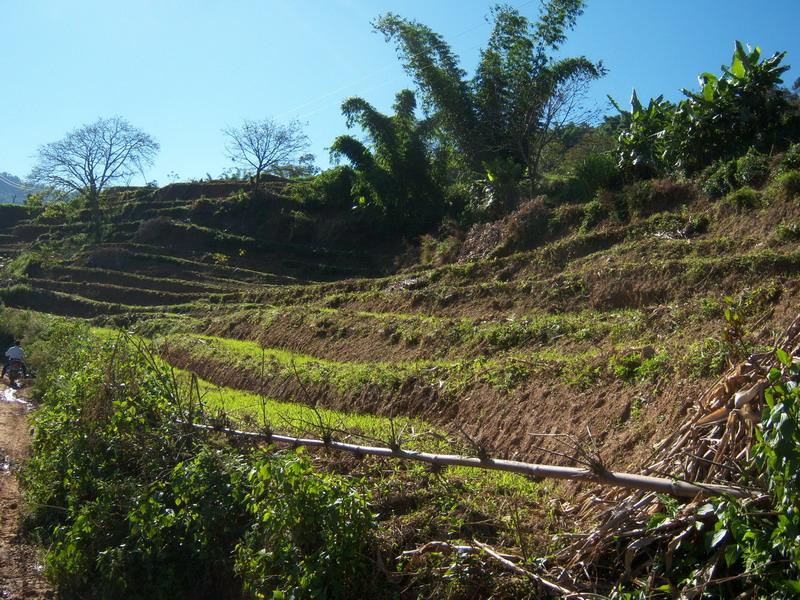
(19, 186)
(368, 76)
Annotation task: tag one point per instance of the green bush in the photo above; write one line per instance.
(332, 188)
(132, 505)
(595, 172)
(593, 213)
(752, 169)
(743, 199)
(791, 160)
(719, 179)
(308, 537)
(788, 184)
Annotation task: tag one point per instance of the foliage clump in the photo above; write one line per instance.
(132, 503)
(744, 108)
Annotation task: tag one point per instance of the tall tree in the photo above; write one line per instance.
(91, 158)
(504, 117)
(265, 146)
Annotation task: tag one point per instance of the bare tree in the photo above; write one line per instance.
(564, 104)
(91, 158)
(265, 145)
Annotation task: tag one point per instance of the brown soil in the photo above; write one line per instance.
(20, 568)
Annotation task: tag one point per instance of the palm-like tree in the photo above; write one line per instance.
(396, 171)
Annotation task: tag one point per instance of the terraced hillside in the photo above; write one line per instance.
(555, 325)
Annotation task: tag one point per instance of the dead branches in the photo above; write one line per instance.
(711, 449)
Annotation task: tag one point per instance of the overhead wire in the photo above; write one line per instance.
(19, 186)
(372, 74)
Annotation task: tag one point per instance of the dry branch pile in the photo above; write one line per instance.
(712, 447)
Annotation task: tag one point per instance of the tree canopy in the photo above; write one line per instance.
(503, 117)
(265, 146)
(89, 159)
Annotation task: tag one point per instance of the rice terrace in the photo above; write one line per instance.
(509, 342)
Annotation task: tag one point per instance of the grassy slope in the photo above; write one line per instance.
(614, 329)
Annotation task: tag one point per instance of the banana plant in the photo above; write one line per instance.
(744, 106)
(641, 146)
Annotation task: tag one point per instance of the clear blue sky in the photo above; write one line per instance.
(182, 70)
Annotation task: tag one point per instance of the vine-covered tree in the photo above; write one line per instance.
(504, 117)
(265, 146)
(395, 172)
(89, 159)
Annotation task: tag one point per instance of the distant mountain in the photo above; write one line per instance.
(12, 188)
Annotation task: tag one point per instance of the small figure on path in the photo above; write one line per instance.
(15, 352)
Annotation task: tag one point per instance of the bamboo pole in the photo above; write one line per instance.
(662, 485)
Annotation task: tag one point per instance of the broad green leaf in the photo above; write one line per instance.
(737, 68)
(792, 585)
(739, 52)
(706, 509)
(636, 105)
(783, 356)
(731, 554)
(718, 537)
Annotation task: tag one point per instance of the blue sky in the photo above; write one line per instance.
(183, 70)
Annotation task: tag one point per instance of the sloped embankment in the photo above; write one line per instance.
(608, 331)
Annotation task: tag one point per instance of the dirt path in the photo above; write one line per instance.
(20, 568)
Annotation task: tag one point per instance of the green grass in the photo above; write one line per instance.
(290, 418)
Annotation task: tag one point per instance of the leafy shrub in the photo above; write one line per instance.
(788, 232)
(743, 199)
(309, 533)
(593, 213)
(752, 169)
(595, 172)
(719, 179)
(791, 160)
(788, 184)
(642, 145)
(150, 511)
(332, 188)
(746, 106)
